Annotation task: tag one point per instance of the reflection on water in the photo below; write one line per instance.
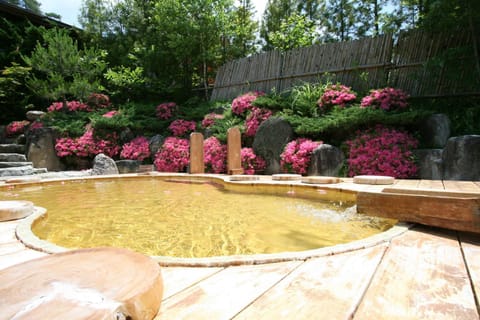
(188, 220)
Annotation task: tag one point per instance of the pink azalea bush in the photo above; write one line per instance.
(87, 145)
(137, 149)
(173, 156)
(71, 106)
(244, 102)
(254, 119)
(386, 99)
(382, 151)
(251, 162)
(166, 110)
(16, 128)
(209, 119)
(35, 125)
(215, 155)
(336, 95)
(181, 127)
(297, 155)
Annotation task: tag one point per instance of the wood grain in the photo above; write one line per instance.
(422, 276)
(96, 283)
(226, 293)
(322, 288)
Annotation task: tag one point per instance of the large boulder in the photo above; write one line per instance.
(435, 130)
(40, 149)
(430, 164)
(461, 158)
(128, 166)
(33, 115)
(326, 160)
(104, 165)
(270, 140)
(155, 144)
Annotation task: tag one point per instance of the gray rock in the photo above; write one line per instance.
(41, 149)
(17, 171)
(430, 164)
(33, 115)
(435, 130)
(14, 164)
(155, 144)
(12, 148)
(326, 160)
(271, 138)
(128, 166)
(12, 157)
(461, 158)
(104, 165)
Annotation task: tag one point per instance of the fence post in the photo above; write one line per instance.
(234, 146)
(197, 163)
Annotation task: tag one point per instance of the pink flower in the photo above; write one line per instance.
(296, 155)
(244, 102)
(173, 156)
(87, 145)
(386, 99)
(336, 95)
(110, 114)
(215, 155)
(16, 128)
(209, 119)
(165, 110)
(137, 149)
(181, 127)
(56, 106)
(382, 151)
(251, 162)
(255, 118)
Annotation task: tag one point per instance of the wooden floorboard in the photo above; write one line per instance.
(405, 184)
(177, 279)
(226, 293)
(19, 257)
(431, 185)
(471, 250)
(463, 186)
(422, 276)
(322, 288)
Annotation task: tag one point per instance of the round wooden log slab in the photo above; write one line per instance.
(16, 209)
(321, 180)
(99, 283)
(286, 177)
(373, 180)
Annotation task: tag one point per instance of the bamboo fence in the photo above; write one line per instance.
(420, 63)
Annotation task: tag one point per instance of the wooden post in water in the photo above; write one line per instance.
(197, 164)
(234, 145)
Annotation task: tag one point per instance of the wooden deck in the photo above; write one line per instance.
(425, 273)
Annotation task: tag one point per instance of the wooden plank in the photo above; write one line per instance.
(431, 184)
(226, 293)
(456, 213)
(322, 288)
(406, 184)
(422, 276)
(7, 231)
(177, 279)
(471, 249)
(16, 257)
(464, 186)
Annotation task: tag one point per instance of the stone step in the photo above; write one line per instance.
(12, 148)
(17, 171)
(12, 157)
(10, 164)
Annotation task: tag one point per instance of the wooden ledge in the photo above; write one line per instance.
(286, 177)
(100, 283)
(16, 209)
(435, 208)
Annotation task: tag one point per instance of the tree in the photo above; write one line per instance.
(60, 70)
(295, 32)
(240, 39)
(275, 13)
(339, 19)
(32, 5)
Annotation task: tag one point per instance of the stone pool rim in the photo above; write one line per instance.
(29, 239)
